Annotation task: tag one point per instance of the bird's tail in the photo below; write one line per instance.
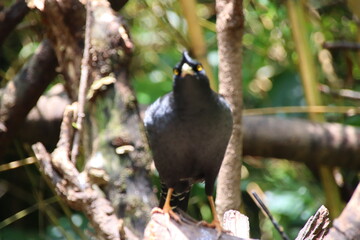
(178, 200)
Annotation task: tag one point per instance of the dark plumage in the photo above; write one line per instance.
(188, 130)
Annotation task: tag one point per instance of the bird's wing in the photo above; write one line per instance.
(156, 110)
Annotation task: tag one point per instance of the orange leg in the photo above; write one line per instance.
(215, 223)
(167, 208)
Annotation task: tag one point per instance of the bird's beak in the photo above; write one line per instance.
(186, 69)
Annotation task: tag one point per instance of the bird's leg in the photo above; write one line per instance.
(167, 208)
(215, 223)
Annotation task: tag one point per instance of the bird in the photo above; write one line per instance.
(188, 130)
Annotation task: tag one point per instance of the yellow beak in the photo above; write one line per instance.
(186, 69)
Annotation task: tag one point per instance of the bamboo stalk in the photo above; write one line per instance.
(354, 7)
(17, 164)
(196, 36)
(312, 95)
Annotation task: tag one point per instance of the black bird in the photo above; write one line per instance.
(188, 131)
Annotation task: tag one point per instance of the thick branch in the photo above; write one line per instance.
(304, 141)
(112, 119)
(21, 94)
(229, 27)
(295, 139)
(77, 193)
(65, 22)
(347, 226)
(10, 17)
(74, 187)
(165, 228)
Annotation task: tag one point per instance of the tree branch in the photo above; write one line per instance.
(316, 227)
(347, 225)
(229, 27)
(83, 85)
(111, 109)
(304, 141)
(74, 186)
(10, 17)
(165, 228)
(342, 45)
(294, 139)
(21, 94)
(343, 93)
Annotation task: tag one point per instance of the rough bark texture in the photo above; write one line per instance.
(316, 227)
(164, 228)
(304, 141)
(347, 225)
(237, 224)
(229, 27)
(73, 186)
(10, 17)
(111, 121)
(21, 94)
(65, 21)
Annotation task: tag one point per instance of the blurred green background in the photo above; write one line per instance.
(271, 78)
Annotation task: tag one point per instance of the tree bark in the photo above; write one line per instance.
(330, 144)
(347, 225)
(21, 94)
(111, 121)
(229, 27)
(9, 18)
(74, 187)
(316, 227)
(164, 228)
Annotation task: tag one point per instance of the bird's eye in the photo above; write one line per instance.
(199, 68)
(176, 71)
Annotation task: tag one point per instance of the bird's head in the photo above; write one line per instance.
(189, 67)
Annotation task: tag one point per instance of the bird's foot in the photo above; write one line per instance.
(156, 210)
(168, 212)
(214, 224)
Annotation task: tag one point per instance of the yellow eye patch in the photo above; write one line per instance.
(176, 71)
(199, 68)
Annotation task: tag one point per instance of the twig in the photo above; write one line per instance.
(344, 93)
(16, 164)
(83, 84)
(266, 211)
(342, 45)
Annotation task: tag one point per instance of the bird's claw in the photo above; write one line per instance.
(214, 224)
(167, 212)
(175, 216)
